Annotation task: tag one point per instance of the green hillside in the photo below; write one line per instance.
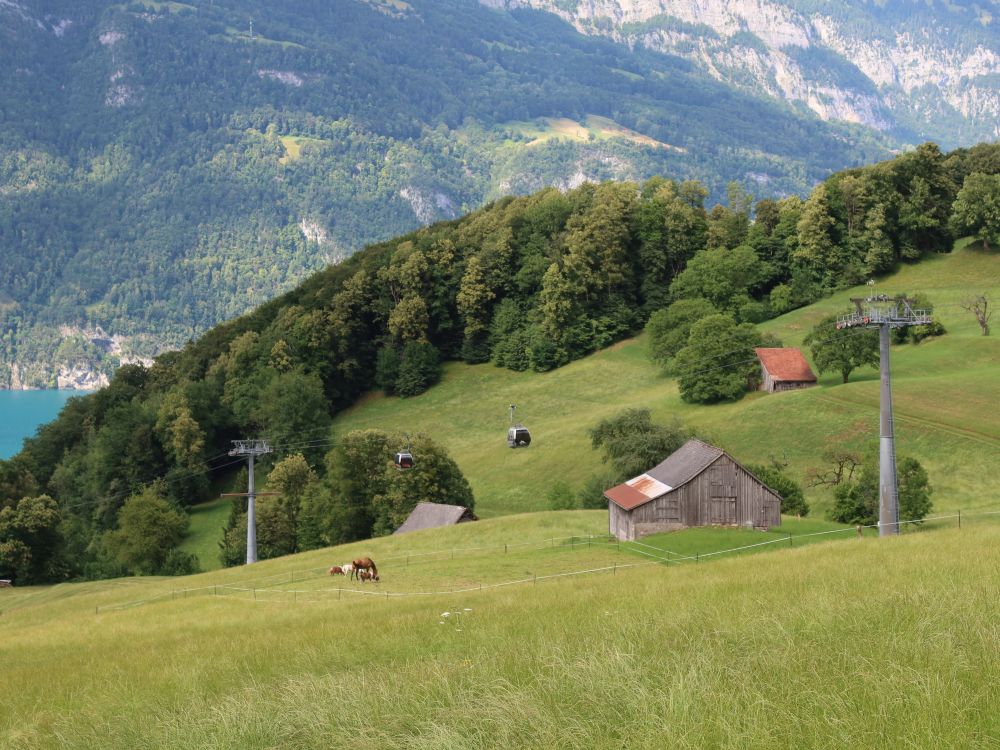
(944, 392)
(791, 648)
(165, 167)
(955, 437)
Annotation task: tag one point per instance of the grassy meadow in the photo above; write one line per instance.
(945, 395)
(591, 128)
(854, 643)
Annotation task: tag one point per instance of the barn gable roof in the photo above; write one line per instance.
(433, 515)
(680, 467)
(785, 364)
(685, 463)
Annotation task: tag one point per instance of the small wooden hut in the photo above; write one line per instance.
(783, 369)
(433, 515)
(696, 485)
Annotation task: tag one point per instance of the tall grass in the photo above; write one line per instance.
(861, 643)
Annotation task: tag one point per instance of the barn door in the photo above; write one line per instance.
(722, 496)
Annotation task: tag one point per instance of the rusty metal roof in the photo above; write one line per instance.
(786, 364)
(649, 486)
(626, 497)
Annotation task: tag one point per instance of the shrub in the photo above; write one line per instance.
(793, 499)
(561, 496)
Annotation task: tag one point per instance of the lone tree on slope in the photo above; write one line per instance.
(842, 351)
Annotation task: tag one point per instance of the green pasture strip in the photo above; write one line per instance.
(243, 35)
(686, 545)
(943, 395)
(208, 521)
(800, 648)
(709, 543)
(159, 7)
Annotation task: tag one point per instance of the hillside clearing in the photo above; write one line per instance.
(293, 146)
(592, 128)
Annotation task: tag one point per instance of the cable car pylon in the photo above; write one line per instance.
(884, 312)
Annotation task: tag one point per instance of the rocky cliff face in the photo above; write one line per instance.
(928, 70)
(84, 360)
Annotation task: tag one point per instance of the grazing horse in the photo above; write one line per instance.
(365, 563)
(336, 570)
(366, 575)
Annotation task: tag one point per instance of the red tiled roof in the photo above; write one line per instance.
(786, 364)
(626, 497)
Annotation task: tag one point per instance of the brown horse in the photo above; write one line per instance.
(364, 563)
(336, 570)
(366, 575)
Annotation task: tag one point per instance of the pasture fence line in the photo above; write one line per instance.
(449, 553)
(250, 593)
(318, 594)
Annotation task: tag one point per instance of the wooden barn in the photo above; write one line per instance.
(784, 369)
(696, 485)
(433, 515)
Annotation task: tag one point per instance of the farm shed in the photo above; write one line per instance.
(433, 515)
(696, 485)
(784, 369)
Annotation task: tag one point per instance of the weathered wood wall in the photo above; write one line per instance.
(724, 494)
(769, 384)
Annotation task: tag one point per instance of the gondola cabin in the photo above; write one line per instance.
(518, 436)
(404, 460)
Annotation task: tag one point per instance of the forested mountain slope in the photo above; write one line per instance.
(924, 67)
(527, 283)
(164, 166)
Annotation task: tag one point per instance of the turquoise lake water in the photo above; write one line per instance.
(21, 412)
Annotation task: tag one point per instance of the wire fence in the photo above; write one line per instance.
(410, 558)
(265, 589)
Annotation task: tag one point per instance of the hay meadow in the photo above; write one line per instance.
(849, 643)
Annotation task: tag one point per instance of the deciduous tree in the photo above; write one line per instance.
(718, 362)
(976, 210)
(149, 527)
(842, 350)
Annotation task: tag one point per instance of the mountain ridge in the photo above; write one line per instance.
(842, 61)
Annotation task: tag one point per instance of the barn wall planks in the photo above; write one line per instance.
(724, 494)
(769, 384)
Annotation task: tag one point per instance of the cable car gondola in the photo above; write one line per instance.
(404, 459)
(517, 434)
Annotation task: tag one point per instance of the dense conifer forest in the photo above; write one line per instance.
(527, 282)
